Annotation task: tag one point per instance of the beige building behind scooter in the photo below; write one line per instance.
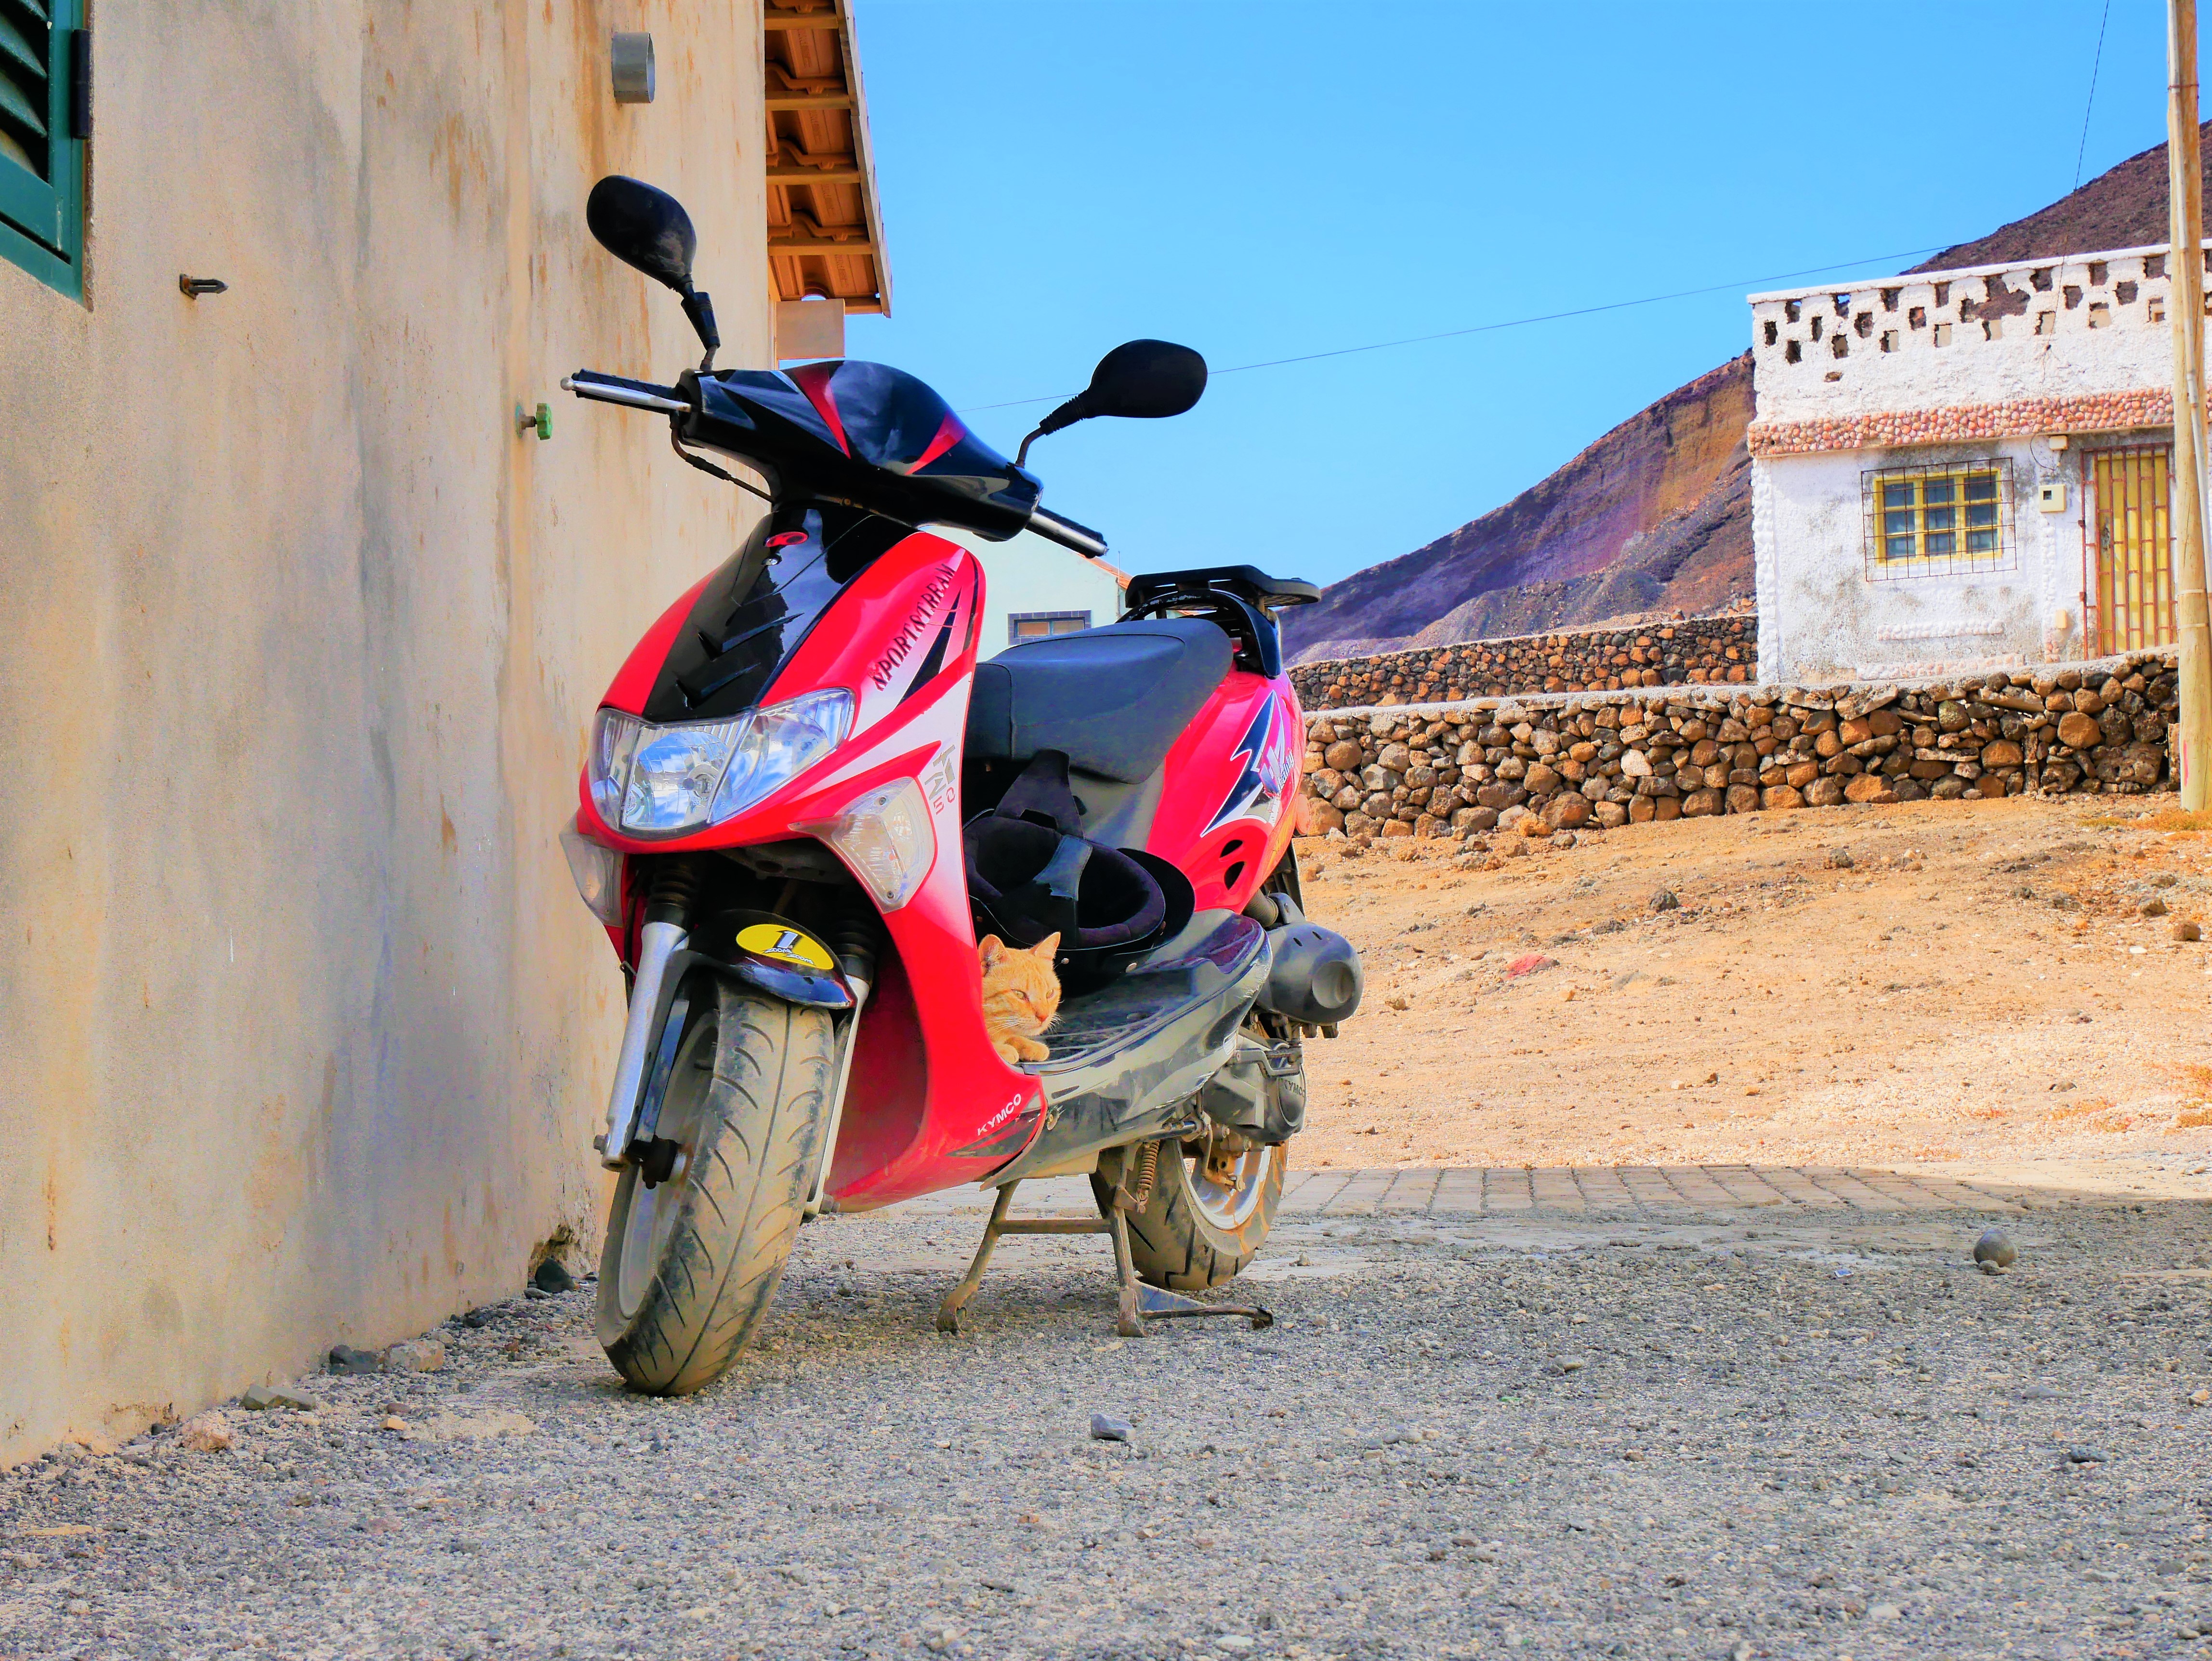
(305, 1033)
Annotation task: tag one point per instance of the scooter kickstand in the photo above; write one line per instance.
(1141, 1303)
(1129, 1318)
(948, 1312)
(1136, 1304)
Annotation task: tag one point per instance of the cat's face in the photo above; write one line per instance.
(1020, 988)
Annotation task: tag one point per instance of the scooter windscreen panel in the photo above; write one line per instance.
(870, 434)
(757, 608)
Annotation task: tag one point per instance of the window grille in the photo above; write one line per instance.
(1038, 625)
(44, 112)
(1945, 520)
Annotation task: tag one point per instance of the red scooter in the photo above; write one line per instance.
(802, 789)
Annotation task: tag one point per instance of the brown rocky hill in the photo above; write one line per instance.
(1662, 496)
(2123, 207)
(1655, 516)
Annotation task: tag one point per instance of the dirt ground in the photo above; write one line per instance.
(1913, 985)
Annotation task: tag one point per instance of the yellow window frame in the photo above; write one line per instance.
(1932, 521)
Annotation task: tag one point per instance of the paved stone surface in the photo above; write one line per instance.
(1629, 1423)
(1470, 1191)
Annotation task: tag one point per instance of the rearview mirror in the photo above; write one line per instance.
(643, 227)
(1143, 378)
(1146, 379)
(647, 227)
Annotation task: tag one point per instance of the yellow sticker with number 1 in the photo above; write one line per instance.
(773, 940)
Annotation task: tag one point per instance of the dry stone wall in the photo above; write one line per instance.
(1566, 765)
(1695, 651)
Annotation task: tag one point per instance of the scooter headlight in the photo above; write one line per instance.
(672, 775)
(782, 742)
(651, 781)
(614, 740)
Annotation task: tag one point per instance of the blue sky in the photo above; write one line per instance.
(1263, 180)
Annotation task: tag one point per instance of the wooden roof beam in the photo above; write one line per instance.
(818, 67)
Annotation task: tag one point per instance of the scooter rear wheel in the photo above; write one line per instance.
(691, 1265)
(1195, 1232)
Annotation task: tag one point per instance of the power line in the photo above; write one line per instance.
(2095, 63)
(1510, 323)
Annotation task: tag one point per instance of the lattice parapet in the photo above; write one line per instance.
(2077, 335)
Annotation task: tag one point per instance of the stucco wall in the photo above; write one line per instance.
(2093, 324)
(1822, 617)
(306, 1031)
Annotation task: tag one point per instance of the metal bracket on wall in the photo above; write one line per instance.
(194, 287)
(630, 58)
(1139, 1302)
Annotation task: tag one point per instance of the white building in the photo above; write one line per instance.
(1964, 470)
(1033, 588)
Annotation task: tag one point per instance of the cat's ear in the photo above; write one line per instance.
(990, 950)
(1045, 947)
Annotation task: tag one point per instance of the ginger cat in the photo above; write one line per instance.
(1021, 995)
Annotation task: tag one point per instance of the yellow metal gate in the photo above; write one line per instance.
(2133, 600)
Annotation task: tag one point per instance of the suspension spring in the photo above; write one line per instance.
(1148, 1169)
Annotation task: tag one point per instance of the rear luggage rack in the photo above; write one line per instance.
(1241, 599)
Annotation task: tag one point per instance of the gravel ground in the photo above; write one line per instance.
(1568, 1436)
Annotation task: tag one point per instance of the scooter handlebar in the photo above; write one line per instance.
(664, 400)
(613, 389)
(1068, 533)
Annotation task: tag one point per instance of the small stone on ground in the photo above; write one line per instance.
(347, 1362)
(551, 1276)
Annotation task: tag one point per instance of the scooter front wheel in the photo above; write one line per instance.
(691, 1263)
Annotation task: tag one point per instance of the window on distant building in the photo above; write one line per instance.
(1037, 625)
(44, 111)
(1939, 521)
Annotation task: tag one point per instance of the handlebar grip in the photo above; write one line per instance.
(1068, 533)
(613, 389)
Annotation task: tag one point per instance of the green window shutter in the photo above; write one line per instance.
(41, 164)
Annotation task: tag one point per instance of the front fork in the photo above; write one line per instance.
(664, 935)
(665, 932)
(853, 943)
(656, 943)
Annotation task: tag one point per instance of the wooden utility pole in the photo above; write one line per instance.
(2184, 186)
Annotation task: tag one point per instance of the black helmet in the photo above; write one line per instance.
(1029, 875)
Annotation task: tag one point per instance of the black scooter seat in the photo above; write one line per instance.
(1113, 699)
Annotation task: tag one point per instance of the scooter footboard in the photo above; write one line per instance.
(1128, 1060)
